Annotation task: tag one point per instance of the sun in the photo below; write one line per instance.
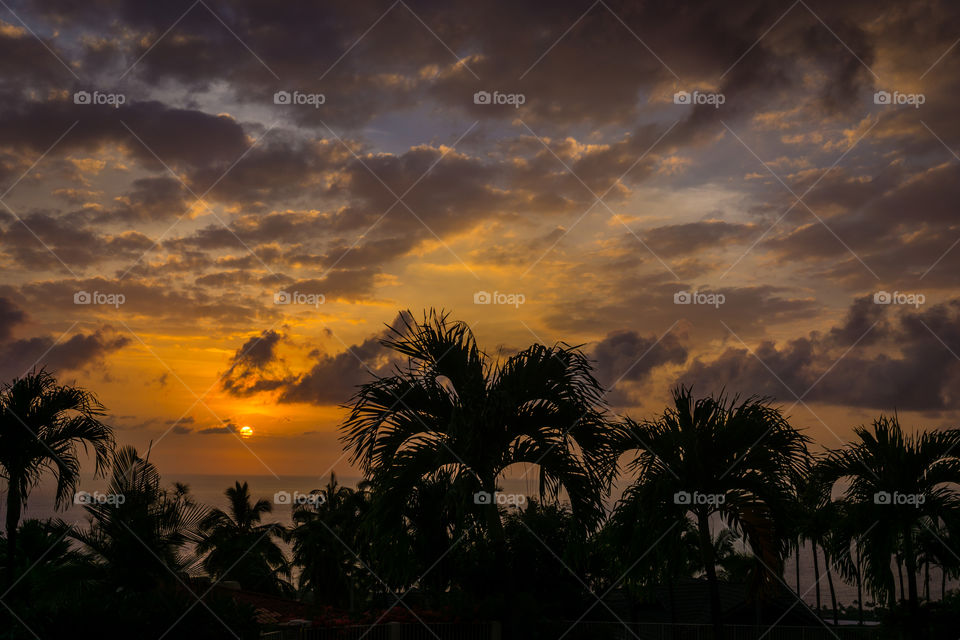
(246, 432)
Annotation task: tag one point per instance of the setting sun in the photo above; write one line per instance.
(246, 432)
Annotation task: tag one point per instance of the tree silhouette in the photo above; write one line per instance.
(42, 426)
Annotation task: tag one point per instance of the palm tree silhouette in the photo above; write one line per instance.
(143, 538)
(42, 426)
(325, 536)
(235, 545)
(901, 488)
(452, 409)
(739, 458)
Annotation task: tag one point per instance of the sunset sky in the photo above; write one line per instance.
(172, 173)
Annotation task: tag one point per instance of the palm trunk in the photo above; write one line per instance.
(833, 593)
(900, 575)
(816, 573)
(859, 589)
(797, 567)
(911, 561)
(14, 507)
(926, 581)
(709, 564)
(943, 582)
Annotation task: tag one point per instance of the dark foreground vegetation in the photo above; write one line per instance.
(719, 493)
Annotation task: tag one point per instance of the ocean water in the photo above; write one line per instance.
(209, 490)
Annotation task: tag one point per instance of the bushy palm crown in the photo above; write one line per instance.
(143, 538)
(236, 546)
(451, 408)
(745, 452)
(880, 465)
(42, 426)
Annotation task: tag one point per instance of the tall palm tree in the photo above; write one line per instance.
(141, 535)
(42, 427)
(451, 408)
(900, 488)
(236, 546)
(713, 457)
(325, 536)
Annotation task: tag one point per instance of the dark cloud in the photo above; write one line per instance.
(252, 365)
(916, 368)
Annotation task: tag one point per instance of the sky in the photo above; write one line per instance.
(210, 212)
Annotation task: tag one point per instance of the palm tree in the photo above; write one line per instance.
(709, 457)
(900, 488)
(453, 409)
(325, 537)
(42, 426)
(236, 546)
(140, 533)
